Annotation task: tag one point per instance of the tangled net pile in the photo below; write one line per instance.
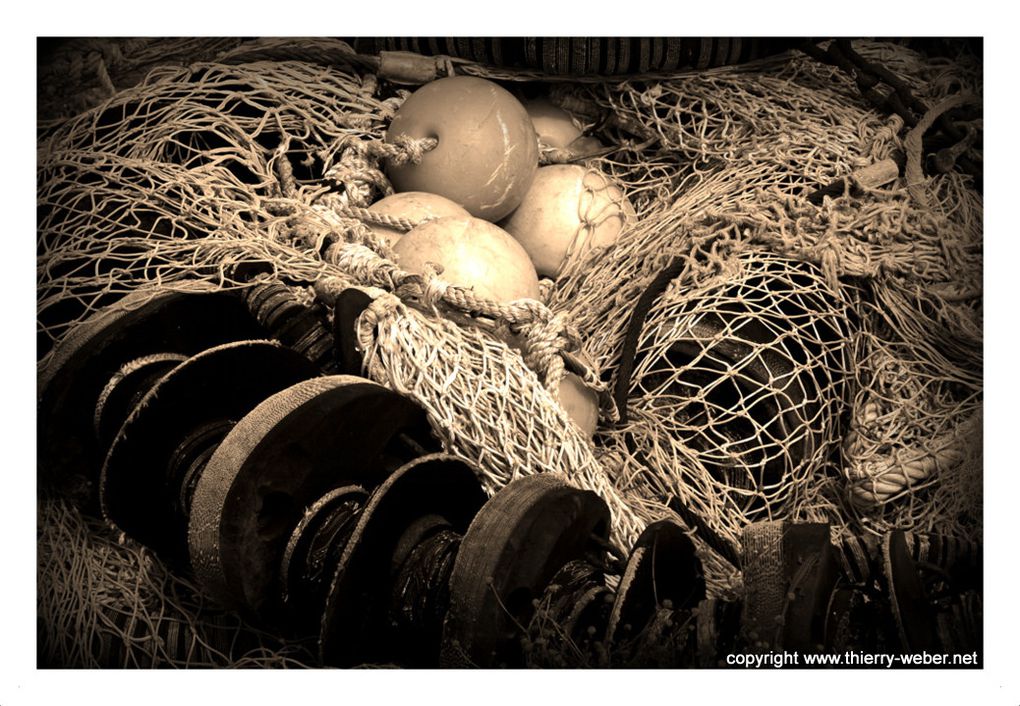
(905, 260)
(265, 153)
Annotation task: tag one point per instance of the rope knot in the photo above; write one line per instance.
(433, 289)
(545, 340)
(403, 150)
(383, 308)
(830, 257)
(359, 175)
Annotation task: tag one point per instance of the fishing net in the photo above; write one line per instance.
(738, 388)
(886, 280)
(104, 601)
(815, 361)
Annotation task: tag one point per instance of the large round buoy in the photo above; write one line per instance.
(553, 125)
(473, 253)
(487, 150)
(568, 210)
(414, 206)
(580, 402)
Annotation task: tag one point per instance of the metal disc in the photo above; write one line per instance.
(516, 544)
(354, 630)
(292, 448)
(142, 323)
(663, 566)
(222, 383)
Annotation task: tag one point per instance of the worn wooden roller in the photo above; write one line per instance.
(388, 597)
(851, 621)
(160, 450)
(170, 325)
(313, 552)
(790, 572)
(293, 447)
(510, 554)
(813, 573)
(300, 326)
(103, 367)
(425, 574)
(663, 571)
(125, 389)
(717, 624)
(913, 614)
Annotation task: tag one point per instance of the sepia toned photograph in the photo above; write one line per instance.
(477, 352)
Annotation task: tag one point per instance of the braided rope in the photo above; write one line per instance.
(367, 215)
(884, 479)
(545, 335)
(359, 172)
(403, 150)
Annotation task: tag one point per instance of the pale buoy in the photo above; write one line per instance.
(569, 210)
(553, 125)
(473, 253)
(580, 403)
(487, 150)
(585, 146)
(415, 206)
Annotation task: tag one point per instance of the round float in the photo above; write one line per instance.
(487, 150)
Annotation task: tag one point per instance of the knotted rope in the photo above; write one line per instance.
(546, 336)
(358, 170)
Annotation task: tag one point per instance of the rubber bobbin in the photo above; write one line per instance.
(514, 547)
(913, 615)
(144, 322)
(139, 485)
(313, 553)
(292, 448)
(299, 326)
(434, 492)
(663, 571)
(126, 389)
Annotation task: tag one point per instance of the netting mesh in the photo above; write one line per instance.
(106, 602)
(747, 373)
(900, 279)
(818, 362)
